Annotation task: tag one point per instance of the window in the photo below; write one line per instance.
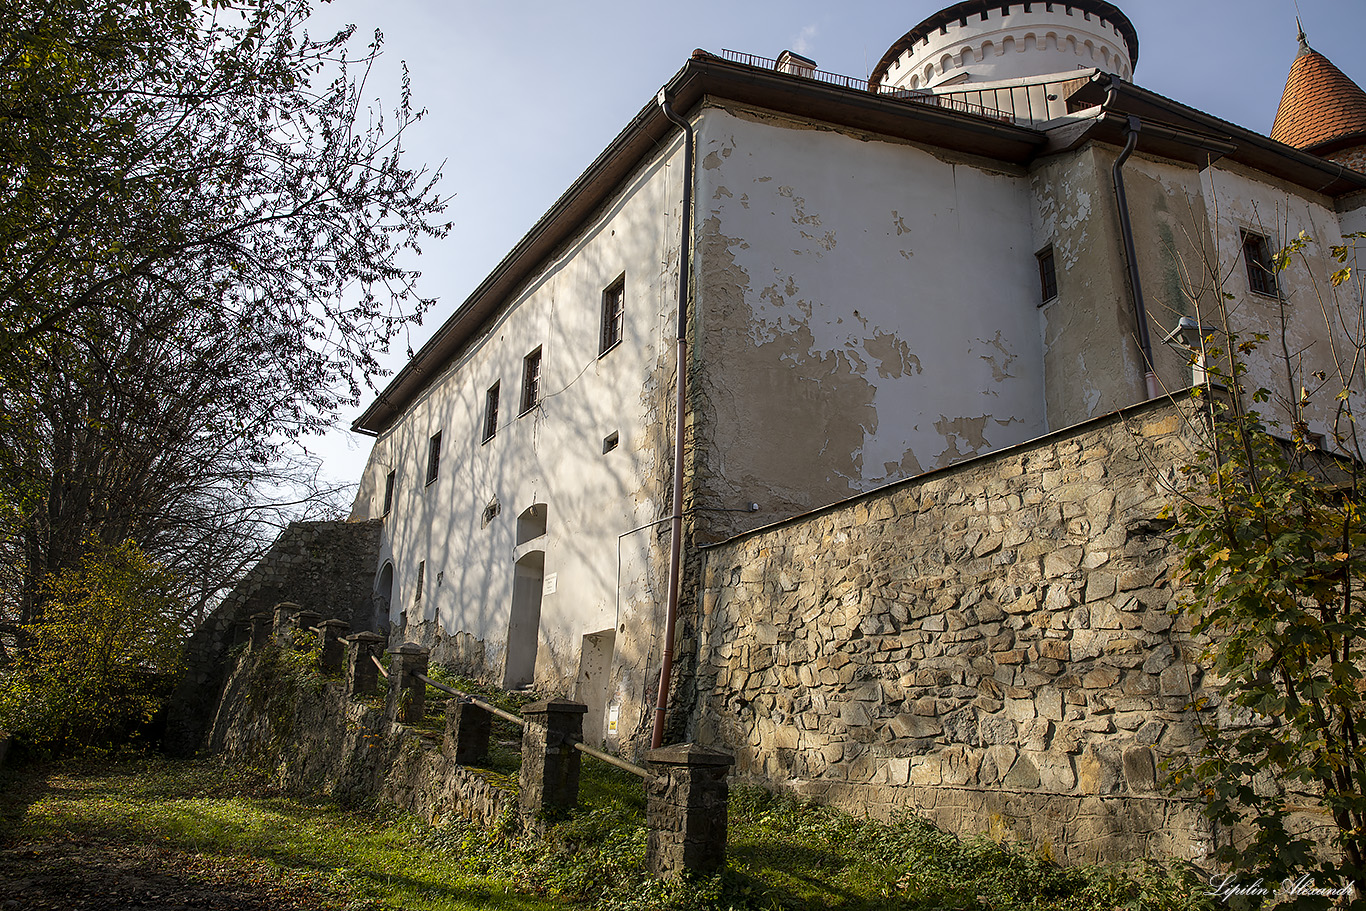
(389, 492)
(421, 575)
(610, 441)
(531, 381)
(613, 313)
(433, 457)
(1261, 278)
(491, 511)
(491, 412)
(1048, 275)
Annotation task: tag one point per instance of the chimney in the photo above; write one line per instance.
(795, 64)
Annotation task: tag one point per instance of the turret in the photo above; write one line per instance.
(1322, 110)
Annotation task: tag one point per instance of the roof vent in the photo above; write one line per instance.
(795, 64)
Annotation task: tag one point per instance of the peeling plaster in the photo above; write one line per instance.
(851, 351)
(971, 431)
(893, 356)
(999, 371)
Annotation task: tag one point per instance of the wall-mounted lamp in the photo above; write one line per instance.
(1191, 335)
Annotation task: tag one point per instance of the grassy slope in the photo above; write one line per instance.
(216, 828)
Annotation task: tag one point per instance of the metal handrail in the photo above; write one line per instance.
(517, 719)
(612, 760)
(491, 709)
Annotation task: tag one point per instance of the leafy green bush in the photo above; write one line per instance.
(88, 673)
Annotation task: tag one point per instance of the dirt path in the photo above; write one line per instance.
(96, 874)
(69, 840)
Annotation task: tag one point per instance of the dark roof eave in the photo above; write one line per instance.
(702, 75)
(1251, 148)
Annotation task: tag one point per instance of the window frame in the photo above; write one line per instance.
(421, 581)
(390, 485)
(1257, 263)
(532, 366)
(491, 403)
(613, 328)
(1048, 275)
(433, 458)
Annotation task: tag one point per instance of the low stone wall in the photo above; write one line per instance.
(319, 741)
(328, 567)
(316, 738)
(992, 646)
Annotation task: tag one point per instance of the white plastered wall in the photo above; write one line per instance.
(1319, 322)
(866, 312)
(551, 455)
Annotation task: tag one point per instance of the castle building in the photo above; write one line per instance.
(980, 246)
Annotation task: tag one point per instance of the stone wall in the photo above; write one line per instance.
(328, 567)
(992, 645)
(319, 741)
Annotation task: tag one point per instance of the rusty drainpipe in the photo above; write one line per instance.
(1126, 229)
(680, 407)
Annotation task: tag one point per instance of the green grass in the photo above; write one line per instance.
(199, 809)
(784, 854)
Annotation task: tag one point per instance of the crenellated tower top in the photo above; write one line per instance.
(989, 41)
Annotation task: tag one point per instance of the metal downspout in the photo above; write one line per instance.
(680, 406)
(1126, 229)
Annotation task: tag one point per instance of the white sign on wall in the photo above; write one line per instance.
(550, 581)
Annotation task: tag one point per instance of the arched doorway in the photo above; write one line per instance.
(384, 596)
(524, 620)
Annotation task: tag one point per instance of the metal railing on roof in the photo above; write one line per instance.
(1032, 102)
(912, 96)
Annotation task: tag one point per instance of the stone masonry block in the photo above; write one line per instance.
(549, 778)
(686, 810)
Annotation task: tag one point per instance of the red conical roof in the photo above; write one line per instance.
(1321, 108)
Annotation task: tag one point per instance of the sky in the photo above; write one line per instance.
(521, 97)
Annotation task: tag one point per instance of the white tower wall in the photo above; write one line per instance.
(1010, 43)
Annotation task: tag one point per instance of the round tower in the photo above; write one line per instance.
(1322, 110)
(989, 41)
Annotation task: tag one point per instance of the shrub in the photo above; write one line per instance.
(91, 668)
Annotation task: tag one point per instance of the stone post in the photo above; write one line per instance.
(260, 631)
(331, 646)
(467, 732)
(685, 809)
(361, 673)
(284, 621)
(241, 633)
(549, 781)
(304, 621)
(407, 700)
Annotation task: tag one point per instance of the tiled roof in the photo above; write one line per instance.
(1320, 106)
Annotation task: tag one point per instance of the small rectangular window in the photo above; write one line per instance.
(1261, 277)
(613, 315)
(531, 381)
(491, 412)
(1048, 276)
(610, 441)
(389, 492)
(433, 457)
(421, 576)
